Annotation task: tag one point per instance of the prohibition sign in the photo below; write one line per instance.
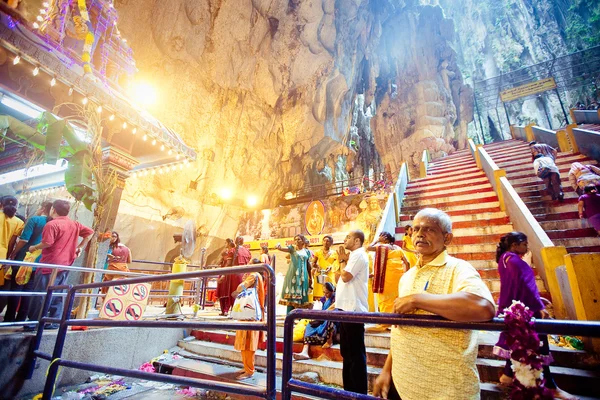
(140, 292)
(133, 312)
(121, 290)
(113, 308)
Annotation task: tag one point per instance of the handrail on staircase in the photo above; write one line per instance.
(56, 360)
(546, 256)
(585, 116)
(289, 385)
(391, 213)
(424, 164)
(473, 148)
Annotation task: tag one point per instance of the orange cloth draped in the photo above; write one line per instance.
(381, 257)
(395, 268)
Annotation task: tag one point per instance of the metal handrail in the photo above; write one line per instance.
(64, 322)
(68, 268)
(560, 327)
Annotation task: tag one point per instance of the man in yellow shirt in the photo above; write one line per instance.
(435, 363)
(325, 261)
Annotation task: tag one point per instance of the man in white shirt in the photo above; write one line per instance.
(351, 295)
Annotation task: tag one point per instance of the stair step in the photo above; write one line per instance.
(454, 199)
(446, 192)
(572, 233)
(438, 178)
(416, 189)
(460, 209)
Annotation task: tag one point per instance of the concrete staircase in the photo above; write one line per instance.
(455, 185)
(560, 220)
(574, 370)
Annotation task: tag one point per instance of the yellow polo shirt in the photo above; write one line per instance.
(434, 363)
(9, 227)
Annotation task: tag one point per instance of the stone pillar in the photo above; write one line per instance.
(114, 160)
(117, 161)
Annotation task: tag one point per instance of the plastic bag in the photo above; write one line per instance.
(299, 330)
(23, 275)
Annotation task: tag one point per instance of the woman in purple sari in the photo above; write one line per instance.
(517, 282)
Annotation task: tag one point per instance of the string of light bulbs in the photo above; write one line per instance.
(100, 109)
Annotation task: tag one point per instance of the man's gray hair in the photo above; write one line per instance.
(441, 217)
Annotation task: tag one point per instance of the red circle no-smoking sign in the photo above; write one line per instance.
(133, 312)
(113, 308)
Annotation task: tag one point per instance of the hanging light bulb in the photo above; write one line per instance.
(36, 25)
(84, 101)
(124, 125)
(134, 131)
(39, 18)
(162, 147)
(161, 171)
(99, 109)
(181, 166)
(17, 60)
(71, 91)
(46, 4)
(177, 157)
(170, 152)
(36, 71)
(153, 171)
(42, 11)
(134, 175)
(53, 82)
(153, 142)
(112, 117)
(145, 138)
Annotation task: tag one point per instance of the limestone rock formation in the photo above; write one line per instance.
(276, 94)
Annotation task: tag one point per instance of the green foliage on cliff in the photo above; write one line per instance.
(583, 24)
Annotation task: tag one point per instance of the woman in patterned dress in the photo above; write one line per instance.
(294, 293)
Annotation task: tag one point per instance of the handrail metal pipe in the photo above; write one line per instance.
(184, 275)
(43, 355)
(326, 392)
(271, 332)
(162, 263)
(61, 336)
(68, 268)
(237, 388)
(561, 327)
(238, 326)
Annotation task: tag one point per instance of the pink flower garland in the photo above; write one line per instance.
(524, 345)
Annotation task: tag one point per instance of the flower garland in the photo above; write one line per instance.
(89, 38)
(524, 346)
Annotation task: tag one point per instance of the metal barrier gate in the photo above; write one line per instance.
(65, 321)
(289, 385)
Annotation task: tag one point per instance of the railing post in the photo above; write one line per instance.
(58, 346)
(271, 334)
(571, 137)
(572, 113)
(529, 133)
(286, 373)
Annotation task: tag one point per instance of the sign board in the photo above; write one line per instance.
(528, 89)
(125, 302)
(316, 240)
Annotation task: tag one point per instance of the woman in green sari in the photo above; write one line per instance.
(295, 286)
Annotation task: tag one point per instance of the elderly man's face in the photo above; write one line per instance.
(428, 237)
